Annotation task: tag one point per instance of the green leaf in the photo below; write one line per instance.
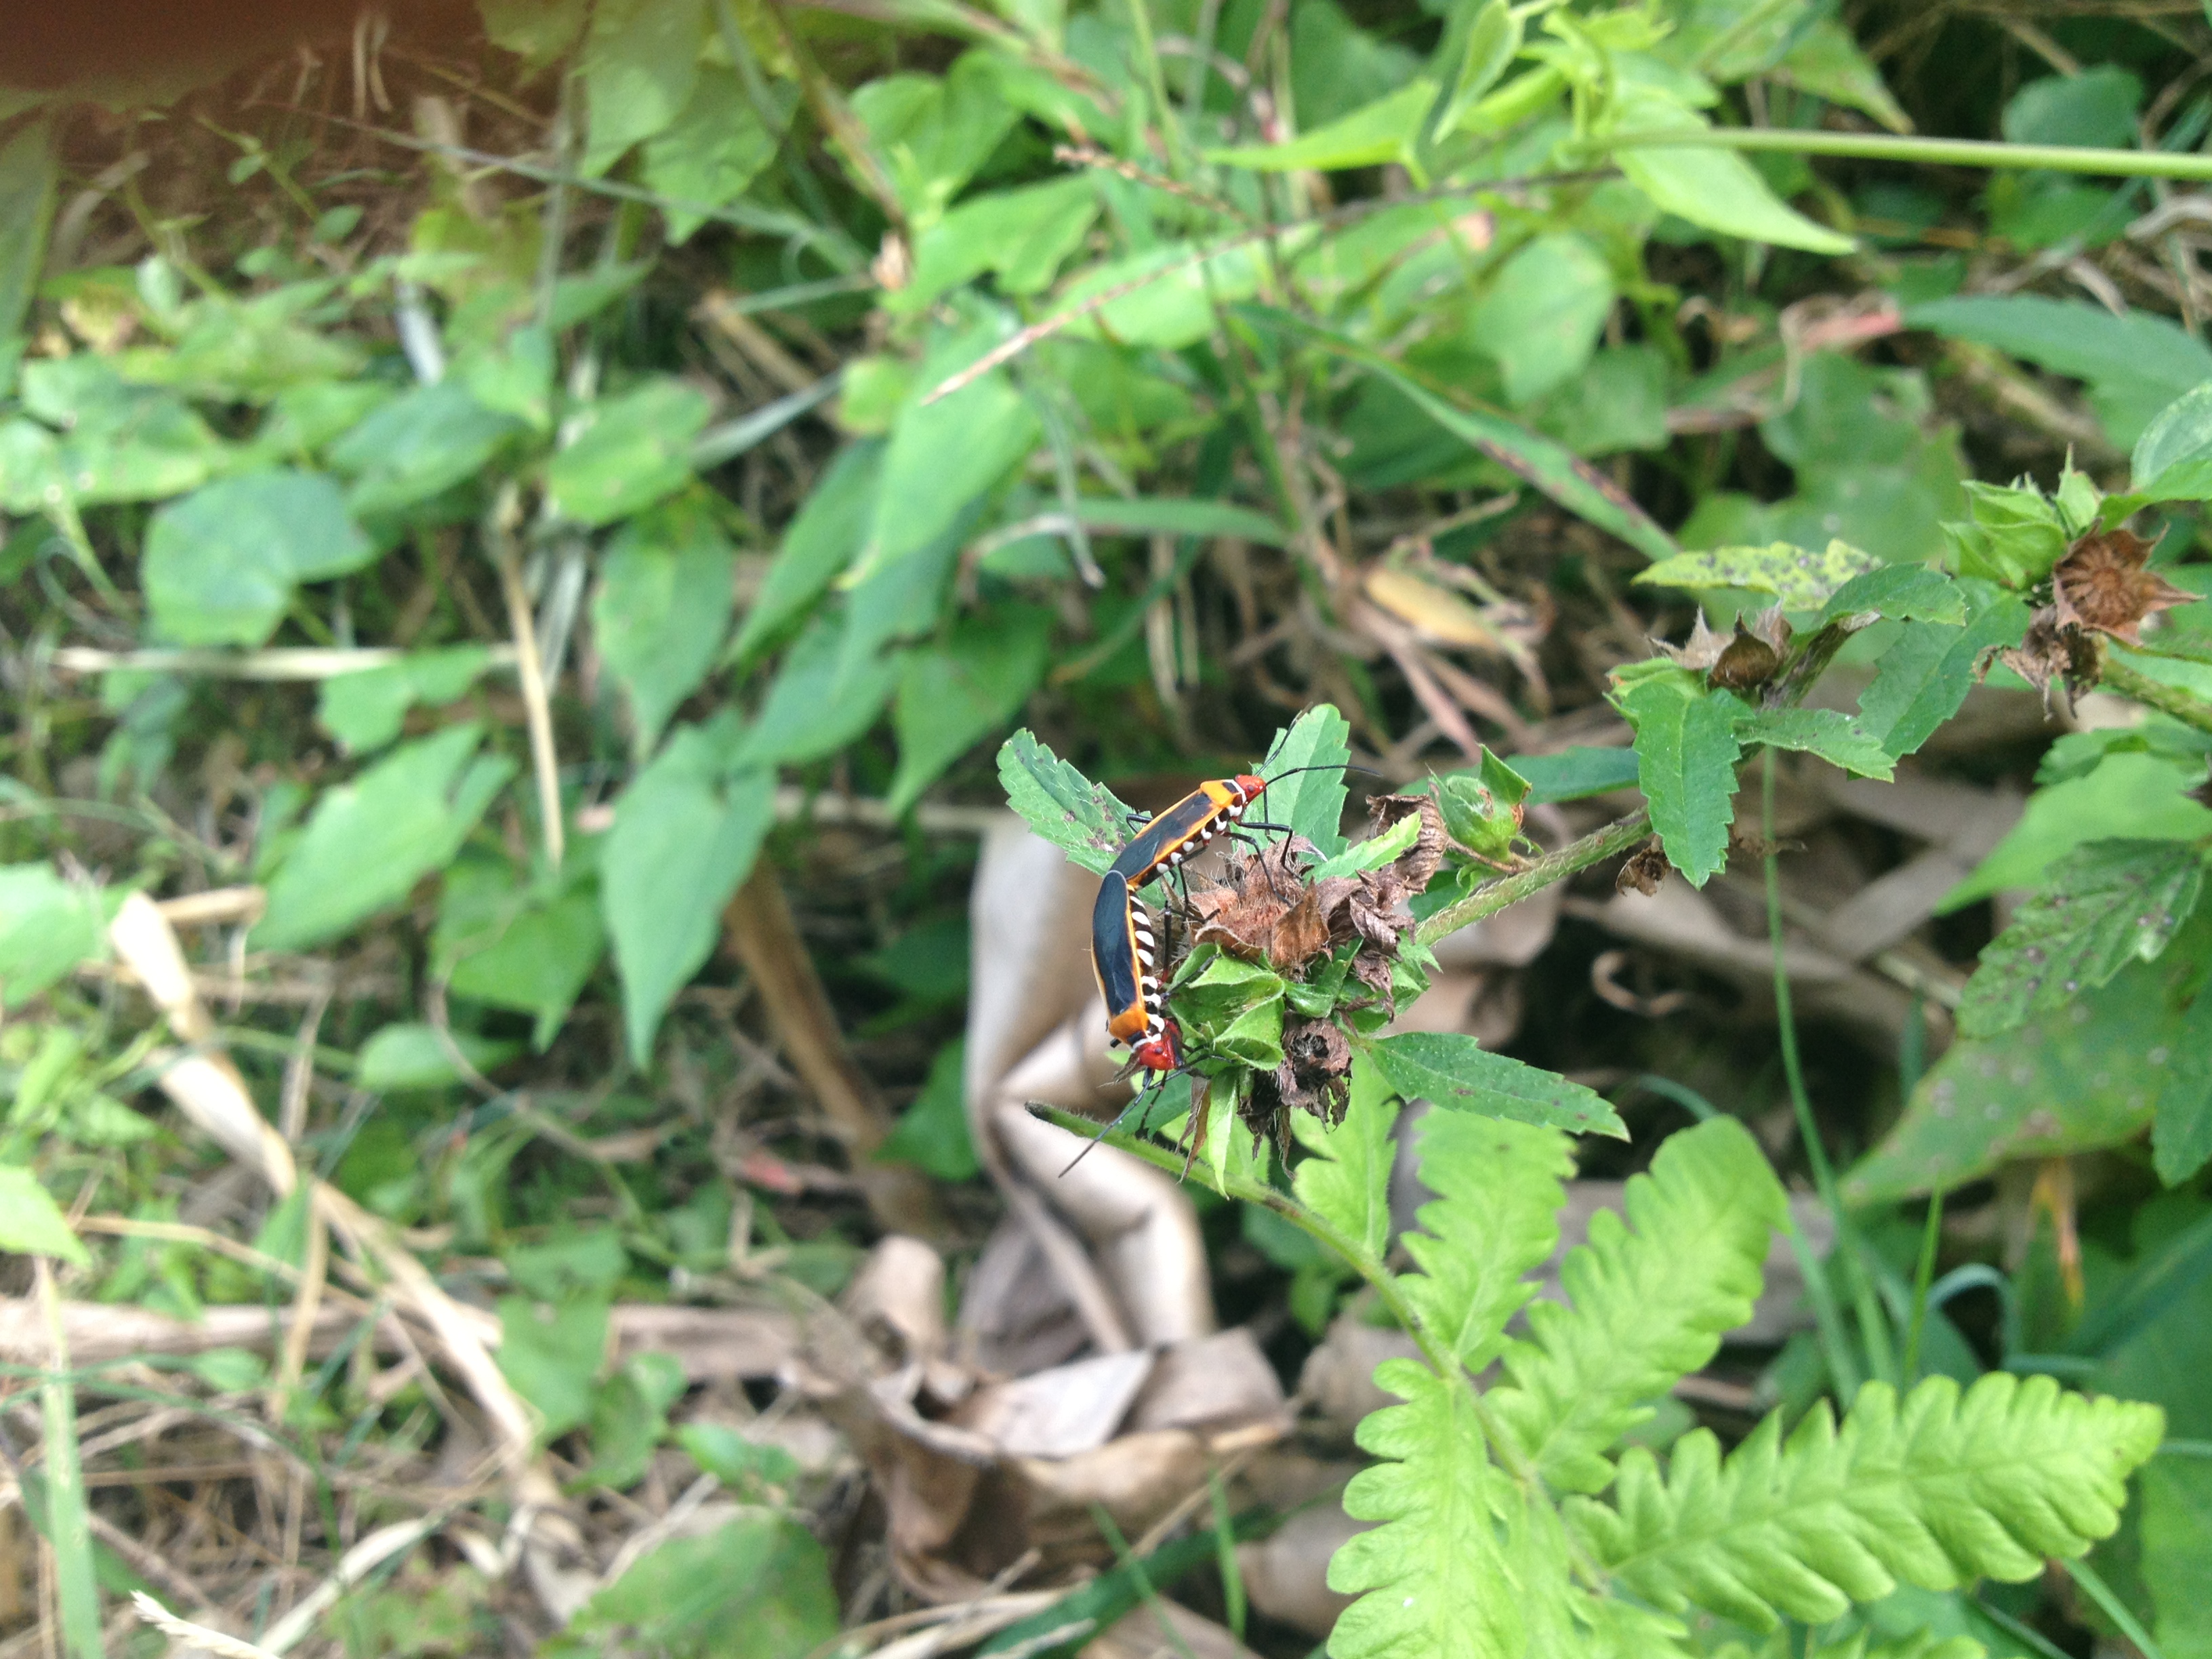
(933, 1133)
(1080, 817)
(827, 535)
(639, 62)
(1686, 755)
(1937, 1492)
(629, 1420)
(1453, 1073)
(1168, 515)
(1543, 312)
(706, 156)
(28, 175)
(31, 1223)
(2181, 1138)
(221, 563)
(2105, 904)
(756, 1587)
(367, 710)
(1493, 40)
(538, 31)
(816, 705)
(2177, 1542)
(1574, 774)
(1384, 131)
(1310, 802)
(1649, 1302)
(47, 926)
(121, 443)
(552, 1356)
(516, 946)
(1835, 736)
(1921, 681)
(632, 451)
(412, 1055)
(1713, 188)
(1254, 1038)
(1023, 234)
(419, 445)
(372, 838)
(663, 609)
(2182, 432)
(732, 1459)
(1826, 62)
(1798, 577)
(2130, 796)
(1167, 295)
(1441, 1580)
(1551, 467)
(2094, 108)
(2135, 365)
(1482, 808)
(1494, 1222)
(2014, 537)
(933, 133)
(684, 838)
(952, 695)
(1347, 1181)
(1373, 853)
(1898, 593)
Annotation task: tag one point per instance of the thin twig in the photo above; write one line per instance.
(537, 707)
(194, 1636)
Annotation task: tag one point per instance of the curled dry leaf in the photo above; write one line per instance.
(1743, 659)
(1644, 870)
(2052, 650)
(2102, 584)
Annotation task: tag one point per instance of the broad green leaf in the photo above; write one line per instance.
(1385, 131)
(1898, 592)
(511, 945)
(372, 838)
(1837, 738)
(2095, 107)
(2015, 537)
(30, 468)
(1254, 1038)
(633, 450)
(1310, 802)
(640, 63)
(1799, 577)
(952, 695)
(826, 535)
(1826, 62)
(933, 1133)
(2135, 365)
(221, 563)
(1347, 1180)
(2105, 904)
(1454, 1073)
(28, 175)
(367, 710)
(1937, 1490)
(1482, 808)
(419, 445)
(1712, 188)
(1373, 853)
(684, 836)
(663, 609)
(1493, 39)
(31, 1223)
(552, 1356)
(933, 132)
(1440, 1579)
(1921, 680)
(758, 1587)
(1023, 235)
(1551, 467)
(2182, 432)
(2181, 1137)
(1082, 818)
(706, 156)
(1542, 314)
(2142, 797)
(814, 708)
(2177, 1542)
(538, 31)
(47, 926)
(1686, 755)
(1573, 774)
(1649, 1301)
(1495, 1221)
(1336, 67)
(413, 1055)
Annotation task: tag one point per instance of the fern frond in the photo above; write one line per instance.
(1496, 1219)
(1346, 1181)
(1649, 1304)
(1921, 1644)
(1944, 1489)
(1444, 1581)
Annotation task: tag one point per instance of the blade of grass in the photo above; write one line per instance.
(1929, 152)
(1225, 1540)
(1923, 1278)
(68, 1528)
(1127, 1558)
(2112, 1607)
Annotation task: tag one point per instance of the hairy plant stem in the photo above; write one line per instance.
(1928, 152)
(1487, 901)
(2169, 699)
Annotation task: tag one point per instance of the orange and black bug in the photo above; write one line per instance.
(1215, 807)
(1126, 959)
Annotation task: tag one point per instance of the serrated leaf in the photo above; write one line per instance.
(1686, 755)
(1451, 1070)
(1082, 818)
(31, 1223)
(1920, 682)
(1899, 593)
(1373, 853)
(1311, 803)
(1834, 736)
(1347, 1181)
(1255, 1037)
(1494, 1221)
(1935, 1490)
(2104, 904)
(1649, 1302)
(1797, 577)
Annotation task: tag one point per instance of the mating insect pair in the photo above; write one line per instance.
(1123, 951)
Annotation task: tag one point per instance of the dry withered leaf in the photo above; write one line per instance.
(2052, 650)
(1314, 1076)
(1417, 865)
(1742, 659)
(1644, 870)
(2101, 584)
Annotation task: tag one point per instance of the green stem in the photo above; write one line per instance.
(67, 1529)
(2112, 1607)
(1156, 83)
(1924, 1277)
(1872, 1331)
(2169, 699)
(1594, 848)
(1930, 152)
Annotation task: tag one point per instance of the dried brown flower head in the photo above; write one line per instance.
(2101, 584)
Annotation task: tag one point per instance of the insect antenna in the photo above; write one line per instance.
(1153, 1088)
